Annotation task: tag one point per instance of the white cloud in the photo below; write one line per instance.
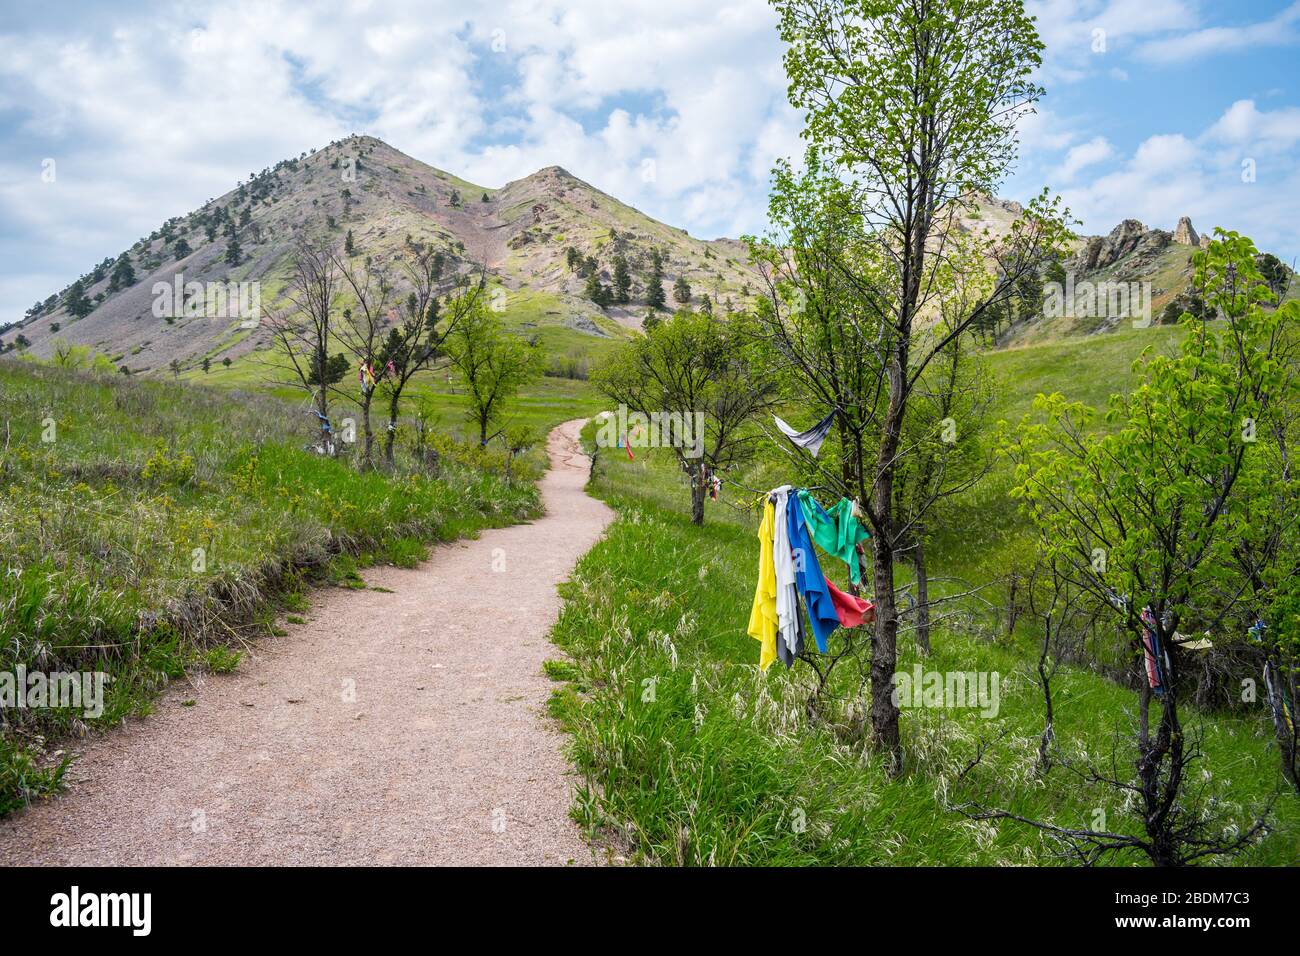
(1096, 150)
(1280, 30)
(1171, 175)
(1086, 37)
(151, 111)
(177, 103)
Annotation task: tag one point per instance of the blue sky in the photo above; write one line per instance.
(675, 106)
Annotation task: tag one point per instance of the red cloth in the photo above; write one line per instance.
(852, 610)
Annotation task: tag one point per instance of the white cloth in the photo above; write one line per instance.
(812, 438)
(787, 600)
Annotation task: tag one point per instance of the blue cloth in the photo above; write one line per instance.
(808, 578)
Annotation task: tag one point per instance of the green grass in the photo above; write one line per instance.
(146, 525)
(690, 756)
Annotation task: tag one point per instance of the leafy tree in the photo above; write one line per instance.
(682, 290)
(123, 274)
(495, 364)
(1148, 518)
(207, 365)
(76, 302)
(913, 106)
(349, 249)
(234, 254)
(654, 292)
(622, 280)
(182, 248)
(597, 291)
(690, 367)
(226, 362)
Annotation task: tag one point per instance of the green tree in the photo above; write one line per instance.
(123, 274)
(336, 366)
(1148, 515)
(182, 248)
(913, 104)
(597, 291)
(494, 362)
(654, 290)
(682, 290)
(418, 341)
(76, 302)
(622, 280)
(704, 377)
(234, 254)
(349, 249)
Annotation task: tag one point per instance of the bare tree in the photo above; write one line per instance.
(361, 333)
(302, 327)
(418, 342)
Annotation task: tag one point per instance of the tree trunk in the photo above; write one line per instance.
(884, 652)
(922, 596)
(391, 437)
(368, 444)
(697, 495)
(884, 656)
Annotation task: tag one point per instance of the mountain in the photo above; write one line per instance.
(520, 232)
(523, 234)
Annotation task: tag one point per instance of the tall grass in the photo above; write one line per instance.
(143, 523)
(689, 755)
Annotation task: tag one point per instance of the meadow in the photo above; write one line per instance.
(690, 755)
(148, 528)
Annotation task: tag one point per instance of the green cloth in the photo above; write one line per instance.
(837, 531)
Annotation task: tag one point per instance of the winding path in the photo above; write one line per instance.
(391, 728)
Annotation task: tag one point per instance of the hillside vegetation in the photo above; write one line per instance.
(147, 528)
(690, 755)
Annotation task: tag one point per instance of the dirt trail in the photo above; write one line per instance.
(443, 755)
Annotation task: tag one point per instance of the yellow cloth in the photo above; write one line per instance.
(762, 618)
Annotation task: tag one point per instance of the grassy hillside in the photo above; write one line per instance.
(690, 755)
(147, 528)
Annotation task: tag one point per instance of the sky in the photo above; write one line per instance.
(115, 116)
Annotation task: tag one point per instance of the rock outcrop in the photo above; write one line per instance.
(1100, 252)
(1185, 233)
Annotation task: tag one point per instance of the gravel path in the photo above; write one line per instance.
(402, 728)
